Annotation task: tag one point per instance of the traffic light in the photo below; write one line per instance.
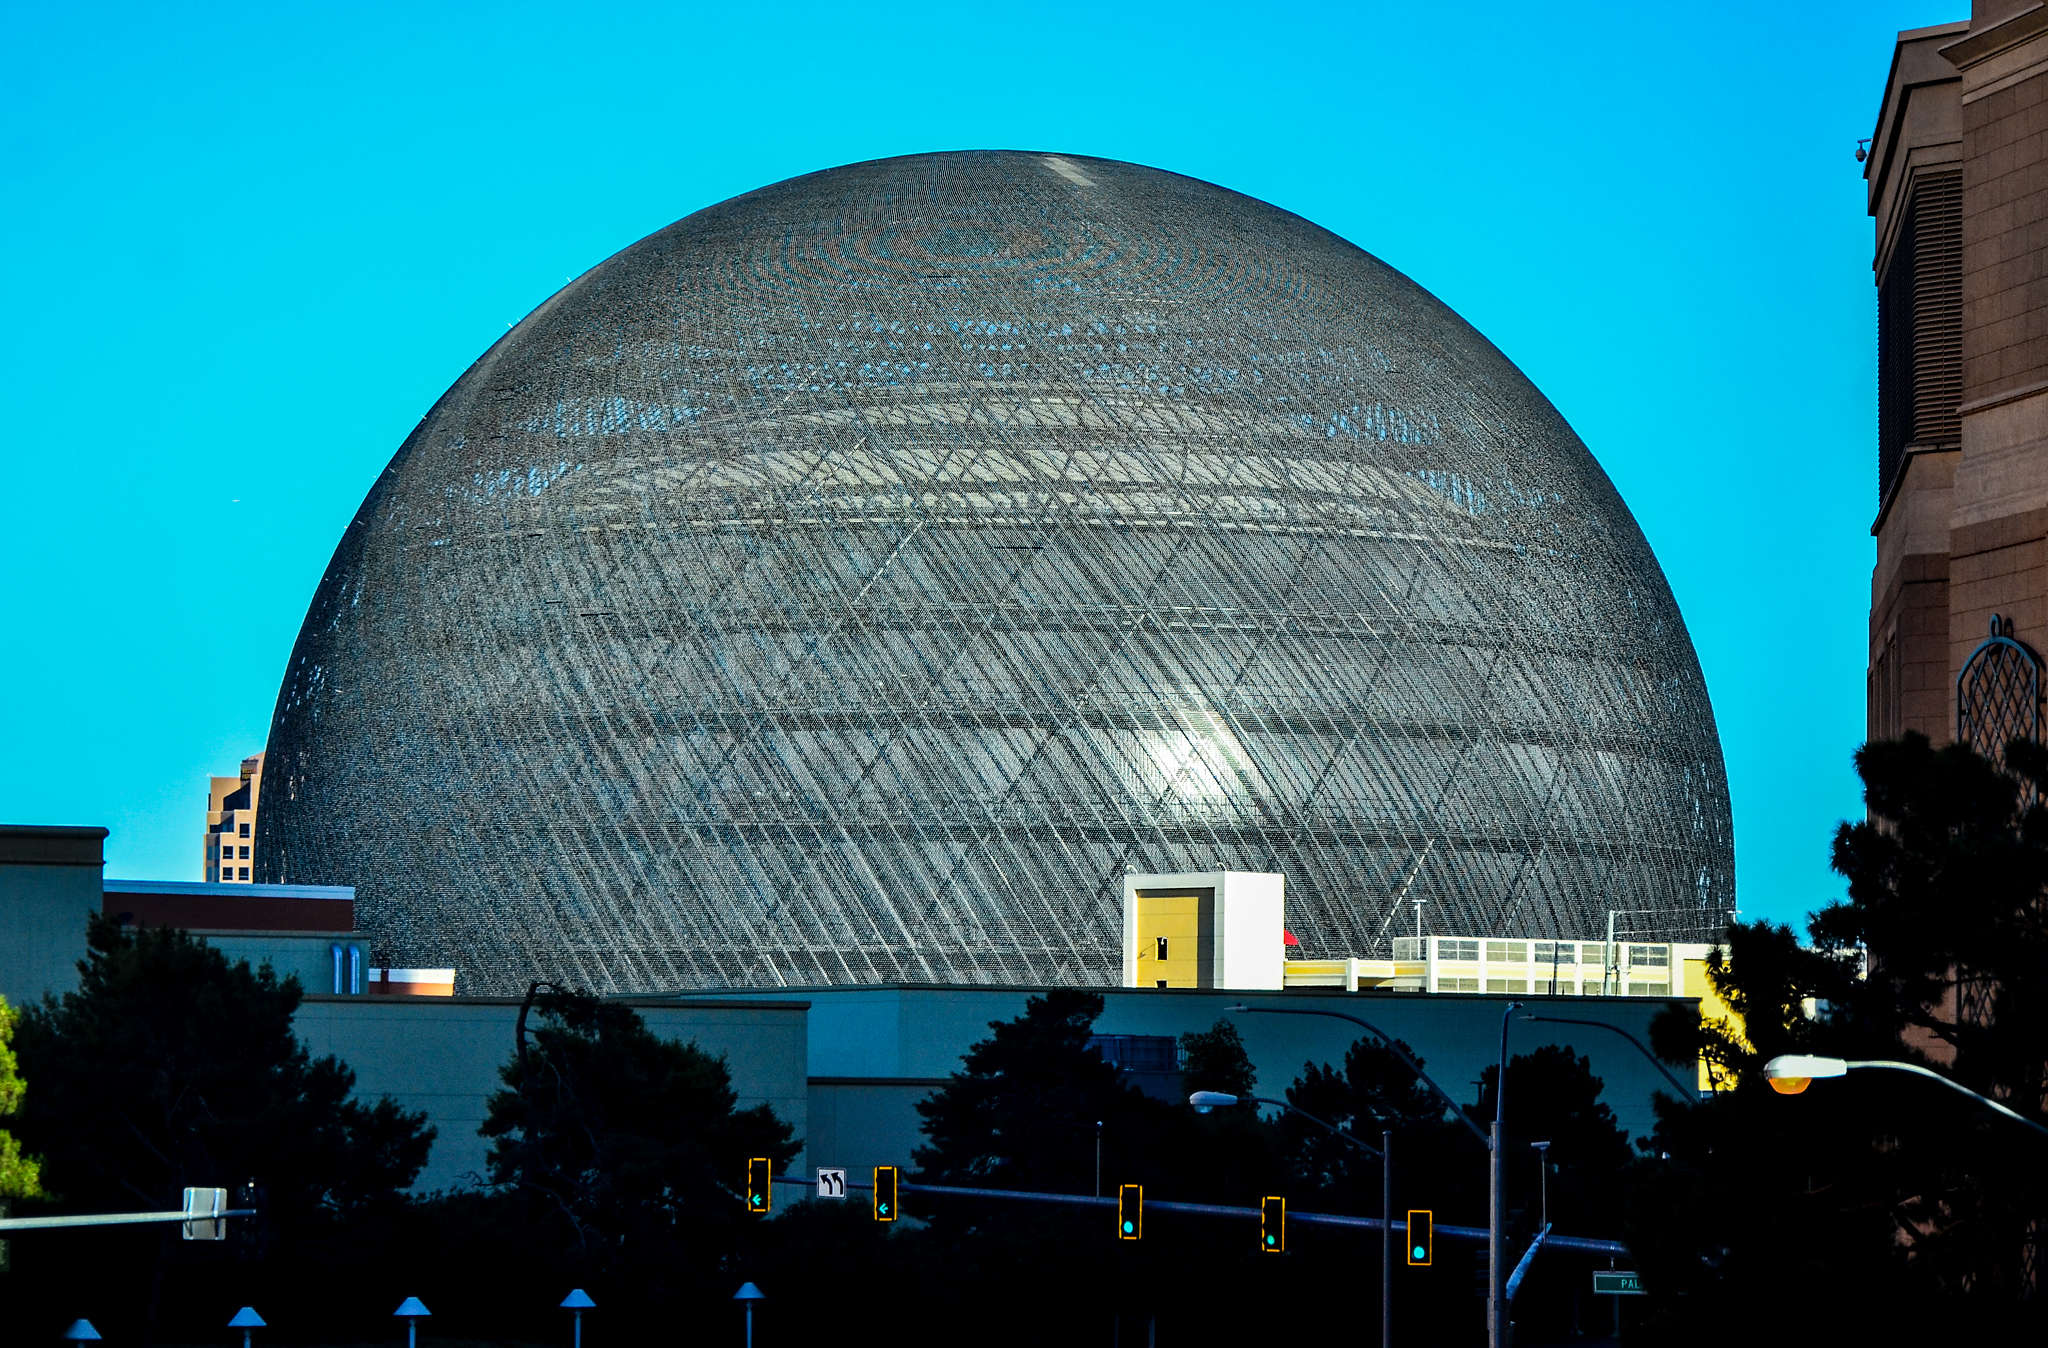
(1130, 1212)
(885, 1193)
(1421, 1236)
(1273, 1225)
(759, 1177)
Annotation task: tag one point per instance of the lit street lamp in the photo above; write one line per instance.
(1791, 1073)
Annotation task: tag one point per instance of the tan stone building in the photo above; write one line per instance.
(1958, 186)
(230, 837)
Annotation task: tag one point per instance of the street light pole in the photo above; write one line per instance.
(1495, 1212)
(1791, 1073)
(1684, 1091)
(1497, 1198)
(1386, 1239)
(1204, 1101)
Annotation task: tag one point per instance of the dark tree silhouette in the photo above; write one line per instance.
(621, 1138)
(171, 1067)
(1904, 1199)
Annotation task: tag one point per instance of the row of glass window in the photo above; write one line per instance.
(1520, 952)
(227, 853)
(1564, 986)
(228, 872)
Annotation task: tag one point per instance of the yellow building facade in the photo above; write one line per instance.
(227, 848)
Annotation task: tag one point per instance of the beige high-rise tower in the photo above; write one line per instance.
(230, 837)
(1958, 186)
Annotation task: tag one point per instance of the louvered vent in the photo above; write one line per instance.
(1919, 327)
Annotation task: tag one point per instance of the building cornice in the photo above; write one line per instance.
(2011, 395)
(1999, 38)
(1898, 487)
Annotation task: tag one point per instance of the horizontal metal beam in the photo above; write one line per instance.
(117, 1219)
(1472, 1233)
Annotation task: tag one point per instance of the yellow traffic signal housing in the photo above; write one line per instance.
(1273, 1225)
(885, 1193)
(1130, 1212)
(759, 1179)
(1421, 1236)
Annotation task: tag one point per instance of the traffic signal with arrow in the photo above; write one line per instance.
(1130, 1212)
(885, 1193)
(1421, 1236)
(1273, 1225)
(759, 1178)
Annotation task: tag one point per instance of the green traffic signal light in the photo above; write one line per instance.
(1273, 1225)
(885, 1193)
(1421, 1236)
(1130, 1212)
(760, 1176)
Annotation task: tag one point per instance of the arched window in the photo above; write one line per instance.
(1998, 693)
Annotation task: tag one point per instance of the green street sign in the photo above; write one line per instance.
(1618, 1284)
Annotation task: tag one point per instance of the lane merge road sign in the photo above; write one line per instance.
(1618, 1284)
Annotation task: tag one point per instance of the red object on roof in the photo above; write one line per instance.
(1288, 937)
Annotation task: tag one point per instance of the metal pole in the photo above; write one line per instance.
(1386, 1239)
(750, 1324)
(1493, 1250)
(412, 1332)
(1608, 963)
(1098, 1158)
(1496, 1207)
(579, 1329)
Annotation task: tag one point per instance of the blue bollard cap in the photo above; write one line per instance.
(81, 1331)
(749, 1292)
(412, 1307)
(577, 1300)
(246, 1318)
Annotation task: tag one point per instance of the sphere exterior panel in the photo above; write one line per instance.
(852, 581)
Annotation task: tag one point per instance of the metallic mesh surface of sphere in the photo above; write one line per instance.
(851, 582)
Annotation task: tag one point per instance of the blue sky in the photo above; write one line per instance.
(251, 246)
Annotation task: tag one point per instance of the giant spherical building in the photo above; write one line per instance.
(852, 581)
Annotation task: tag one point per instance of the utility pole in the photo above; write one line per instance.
(1496, 1203)
(1386, 1239)
(1543, 1175)
(1098, 1158)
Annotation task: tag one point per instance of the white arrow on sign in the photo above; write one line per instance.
(831, 1183)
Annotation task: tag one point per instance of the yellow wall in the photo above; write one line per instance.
(1712, 1008)
(1178, 918)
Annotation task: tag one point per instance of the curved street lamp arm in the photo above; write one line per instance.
(1684, 1091)
(1457, 1110)
(1327, 1127)
(1954, 1086)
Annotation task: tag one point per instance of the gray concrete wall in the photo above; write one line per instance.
(49, 883)
(874, 1052)
(308, 955)
(442, 1054)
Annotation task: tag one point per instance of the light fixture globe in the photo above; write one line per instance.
(852, 581)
